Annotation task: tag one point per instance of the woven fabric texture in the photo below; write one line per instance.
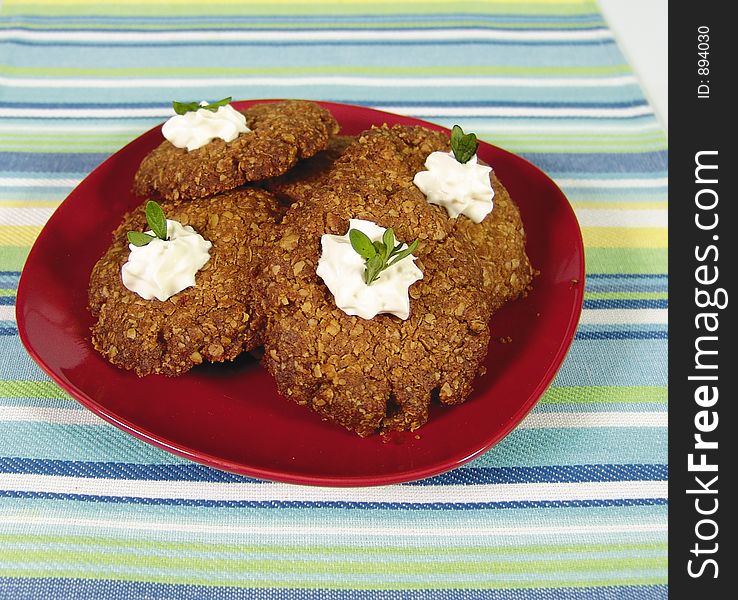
(87, 511)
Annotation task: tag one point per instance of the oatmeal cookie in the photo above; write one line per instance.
(308, 175)
(282, 133)
(213, 321)
(380, 373)
(499, 240)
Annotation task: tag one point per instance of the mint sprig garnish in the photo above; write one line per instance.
(137, 238)
(463, 145)
(378, 255)
(184, 107)
(157, 223)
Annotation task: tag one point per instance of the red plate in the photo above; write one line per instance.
(231, 417)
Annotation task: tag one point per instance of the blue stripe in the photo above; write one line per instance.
(415, 56)
(613, 285)
(522, 447)
(426, 115)
(462, 476)
(628, 285)
(312, 44)
(605, 406)
(8, 331)
(598, 162)
(610, 362)
(394, 91)
(615, 303)
(7, 300)
(472, 27)
(548, 474)
(51, 162)
(627, 276)
(514, 504)
(405, 104)
(622, 335)
(652, 174)
(625, 327)
(36, 587)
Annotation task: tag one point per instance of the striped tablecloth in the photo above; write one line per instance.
(572, 504)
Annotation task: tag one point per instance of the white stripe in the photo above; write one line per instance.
(613, 183)
(548, 420)
(417, 111)
(514, 111)
(325, 528)
(7, 313)
(25, 216)
(349, 35)
(85, 113)
(618, 316)
(568, 127)
(37, 182)
(498, 127)
(260, 492)
(297, 81)
(607, 217)
(55, 416)
(587, 420)
(100, 129)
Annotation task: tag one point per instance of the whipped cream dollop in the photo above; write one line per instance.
(462, 189)
(163, 268)
(342, 270)
(194, 129)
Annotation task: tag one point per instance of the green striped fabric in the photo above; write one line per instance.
(572, 504)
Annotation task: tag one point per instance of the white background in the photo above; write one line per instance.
(641, 30)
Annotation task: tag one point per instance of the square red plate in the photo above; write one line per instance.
(231, 417)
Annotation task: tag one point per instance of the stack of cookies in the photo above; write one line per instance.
(264, 200)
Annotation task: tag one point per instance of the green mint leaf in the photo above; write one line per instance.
(373, 267)
(184, 107)
(139, 239)
(377, 254)
(156, 219)
(389, 239)
(463, 145)
(361, 243)
(404, 253)
(214, 106)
